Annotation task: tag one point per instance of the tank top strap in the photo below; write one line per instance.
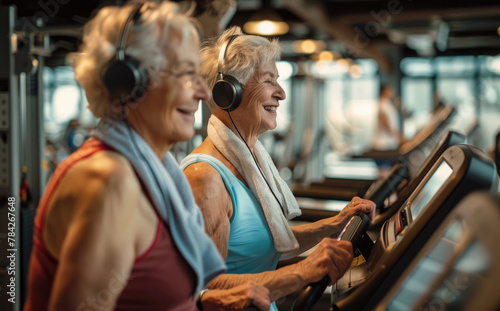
(89, 147)
(227, 176)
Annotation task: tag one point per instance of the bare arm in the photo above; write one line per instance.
(98, 250)
(332, 257)
(237, 298)
(214, 201)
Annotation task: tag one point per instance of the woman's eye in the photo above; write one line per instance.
(189, 73)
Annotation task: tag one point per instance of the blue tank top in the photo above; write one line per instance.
(251, 247)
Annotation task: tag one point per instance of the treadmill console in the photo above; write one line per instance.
(460, 170)
(396, 226)
(457, 266)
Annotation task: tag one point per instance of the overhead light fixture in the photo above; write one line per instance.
(266, 22)
(308, 46)
(355, 71)
(326, 56)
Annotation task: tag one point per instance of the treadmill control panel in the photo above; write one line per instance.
(397, 225)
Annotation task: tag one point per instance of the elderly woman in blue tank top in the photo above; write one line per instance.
(245, 204)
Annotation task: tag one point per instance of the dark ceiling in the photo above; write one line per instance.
(356, 28)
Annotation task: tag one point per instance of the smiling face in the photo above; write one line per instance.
(166, 115)
(261, 95)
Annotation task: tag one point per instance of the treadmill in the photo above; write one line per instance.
(390, 193)
(411, 154)
(435, 127)
(457, 268)
(461, 169)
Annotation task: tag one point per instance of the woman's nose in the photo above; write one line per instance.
(203, 91)
(280, 92)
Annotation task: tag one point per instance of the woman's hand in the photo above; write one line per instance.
(354, 207)
(331, 257)
(245, 296)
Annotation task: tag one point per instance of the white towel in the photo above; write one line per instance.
(235, 150)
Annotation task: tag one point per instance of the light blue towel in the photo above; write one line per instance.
(171, 195)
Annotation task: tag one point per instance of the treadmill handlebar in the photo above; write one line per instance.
(353, 232)
(383, 189)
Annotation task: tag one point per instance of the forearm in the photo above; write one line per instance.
(308, 235)
(280, 282)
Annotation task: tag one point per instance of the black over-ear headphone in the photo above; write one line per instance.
(124, 77)
(227, 91)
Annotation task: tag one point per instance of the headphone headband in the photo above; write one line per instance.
(227, 92)
(222, 54)
(122, 37)
(124, 77)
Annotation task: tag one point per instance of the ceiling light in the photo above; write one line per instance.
(356, 71)
(308, 46)
(326, 56)
(266, 22)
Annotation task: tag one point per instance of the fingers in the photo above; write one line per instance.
(247, 296)
(340, 261)
(358, 204)
(258, 297)
(331, 258)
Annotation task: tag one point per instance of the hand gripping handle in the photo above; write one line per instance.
(353, 232)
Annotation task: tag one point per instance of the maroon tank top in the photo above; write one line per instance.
(161, 279)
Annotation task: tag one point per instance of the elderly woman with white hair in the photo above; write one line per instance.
(118, 227)
(245, 203)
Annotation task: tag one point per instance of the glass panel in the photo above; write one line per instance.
(428, 268)
(416, 95)
(198, 117)
(369, 66)
(63, 101)
(489, 111)
(489, 65)
(455, 65)
(330, 69)
(415, 66)
(458, 92)
(286, 71)
(363, 89)
(467, 274)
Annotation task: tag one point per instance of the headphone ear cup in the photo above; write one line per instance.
(126, 79)
(227, 93)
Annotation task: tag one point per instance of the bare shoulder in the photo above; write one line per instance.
(209, 189)
(96, 192)
(202, 173)
(108, 167)
(105, 179)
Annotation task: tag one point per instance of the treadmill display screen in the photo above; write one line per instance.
(452, 289)
(430, 188)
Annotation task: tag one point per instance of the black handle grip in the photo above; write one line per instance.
(384, 188)
(353, 232)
